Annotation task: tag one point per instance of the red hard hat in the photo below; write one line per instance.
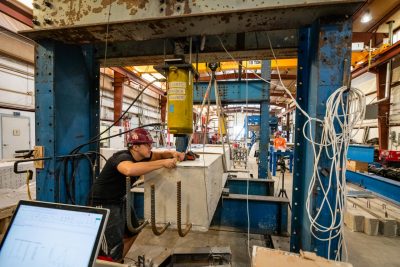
(139, 136)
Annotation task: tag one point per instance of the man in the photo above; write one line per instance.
(109, 188)
(279, 142)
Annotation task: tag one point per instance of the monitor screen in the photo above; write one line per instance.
(48, 234)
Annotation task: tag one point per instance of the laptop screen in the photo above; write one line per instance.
(50, 234)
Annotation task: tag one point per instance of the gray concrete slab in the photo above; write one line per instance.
(153, 246)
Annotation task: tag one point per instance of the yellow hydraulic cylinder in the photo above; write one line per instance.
(221, 125)
(180, 100)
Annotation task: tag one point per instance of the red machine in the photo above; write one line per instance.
(390, 158)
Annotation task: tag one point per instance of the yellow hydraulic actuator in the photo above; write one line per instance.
(221, 125)
(180, 100)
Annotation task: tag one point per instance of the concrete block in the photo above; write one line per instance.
(354, 219)
(214, 149)
(202, 186)
(371, 224)
(388, 227)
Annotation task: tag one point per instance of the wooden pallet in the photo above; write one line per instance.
(5, 218)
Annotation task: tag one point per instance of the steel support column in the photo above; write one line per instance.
(324, 49)
(383, 107)
(67, 115)
(118, 95)
(287, 125)
(264, 124)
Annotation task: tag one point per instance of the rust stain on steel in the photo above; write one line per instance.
(133, 3)
(186, 8)
(156, 28)
(169, 7)
(226, 18)
(97, 9)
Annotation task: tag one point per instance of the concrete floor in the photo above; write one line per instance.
(158, 248)
(363, 250)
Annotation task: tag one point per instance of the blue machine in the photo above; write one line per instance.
(361, 153)
(67, 85)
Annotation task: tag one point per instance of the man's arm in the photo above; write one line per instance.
(157, 155)
(129, 168)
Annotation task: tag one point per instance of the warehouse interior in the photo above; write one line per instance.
(274, 130)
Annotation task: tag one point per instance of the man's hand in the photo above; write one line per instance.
(179, 156)
(169, 163)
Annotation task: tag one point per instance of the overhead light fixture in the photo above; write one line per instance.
(366, 17)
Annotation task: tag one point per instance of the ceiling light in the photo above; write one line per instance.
(366, 17)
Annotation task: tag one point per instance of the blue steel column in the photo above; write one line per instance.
(67, 115)
(46, 180)
(264, 122)
(323, 49)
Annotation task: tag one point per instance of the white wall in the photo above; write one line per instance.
(16, 83)
(17, 91)
(30, 115)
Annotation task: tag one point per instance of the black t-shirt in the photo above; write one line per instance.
(110, 186)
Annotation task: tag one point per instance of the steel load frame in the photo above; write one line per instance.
(72, 44)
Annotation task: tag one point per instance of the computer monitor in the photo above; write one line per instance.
(43, 234)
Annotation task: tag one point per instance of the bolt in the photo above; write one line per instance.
(35, 22)
(48, 4)
(48, 21)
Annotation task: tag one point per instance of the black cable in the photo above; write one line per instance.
(118, 134)
(69, 184)
(74, 168)
(122, 115)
